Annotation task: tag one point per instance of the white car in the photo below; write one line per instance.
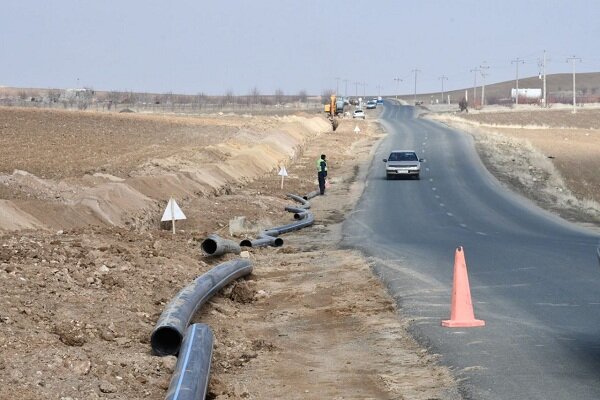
(402, 163)
(358, 114)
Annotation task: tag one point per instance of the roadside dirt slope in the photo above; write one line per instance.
(552, 156)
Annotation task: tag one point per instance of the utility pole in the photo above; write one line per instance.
(573, 59)
(364, 89)
(483, 75)
(346, 87)
(517, 61)
(544, 76)
(337, 86)
(416, 71)
(397, 80)
(475, 71)
(443, 78)
(356, 89)
(379, 87)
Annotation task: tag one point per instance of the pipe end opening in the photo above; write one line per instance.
(278, 242)
(209, 246)
(166, 341)
(246, 243)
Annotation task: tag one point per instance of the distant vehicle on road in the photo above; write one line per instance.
(402, 163)
(358, 114)
(371, 104)
(379, 100)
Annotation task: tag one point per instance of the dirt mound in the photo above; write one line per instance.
(103, 198)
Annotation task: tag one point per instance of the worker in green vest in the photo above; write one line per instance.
(322, 173)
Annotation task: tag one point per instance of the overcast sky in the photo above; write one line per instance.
(197, 46)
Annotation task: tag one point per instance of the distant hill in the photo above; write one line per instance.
(559, 88)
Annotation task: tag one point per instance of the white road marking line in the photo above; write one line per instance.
(463, 225)
(450, 214)
(442, 205)
(433, 188)
(437, 197)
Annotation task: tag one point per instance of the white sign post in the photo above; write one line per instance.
(283, 173)
(357, 129)
(172, 213)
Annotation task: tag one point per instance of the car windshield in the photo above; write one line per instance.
(403, 157)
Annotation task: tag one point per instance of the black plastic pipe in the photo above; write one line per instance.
(299, 212)
(312, 194)
(304, 202)
(263, 240)
(294, 226)
(269, 237)
(215, 245)
(190, 378)
(168, 333)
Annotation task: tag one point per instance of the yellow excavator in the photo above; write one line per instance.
(335, 107)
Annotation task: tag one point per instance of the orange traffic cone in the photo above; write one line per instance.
(461, 313)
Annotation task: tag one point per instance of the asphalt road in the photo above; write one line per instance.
(534, 278)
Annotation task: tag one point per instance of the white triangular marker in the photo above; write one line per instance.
(172, 212)
(357, 129)
(283, 172)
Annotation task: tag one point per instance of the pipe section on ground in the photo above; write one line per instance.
(312, 194)
(215, 245)
(308, 220)
(269, 237)
(168, 333)
(299, 213)
(190, 378)
(304, 202)
(263, 240)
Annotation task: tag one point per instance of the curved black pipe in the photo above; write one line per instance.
(303, 223)
(304, 202)
(215, 245)
(168, 333)
(299, 213)
(269, 237)
(190, 378)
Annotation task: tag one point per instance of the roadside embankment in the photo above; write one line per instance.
(551, 157)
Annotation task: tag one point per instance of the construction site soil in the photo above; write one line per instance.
(86, 270)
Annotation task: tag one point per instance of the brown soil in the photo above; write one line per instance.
(312, 321)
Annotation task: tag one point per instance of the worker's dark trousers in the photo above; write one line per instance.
(322, 176)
